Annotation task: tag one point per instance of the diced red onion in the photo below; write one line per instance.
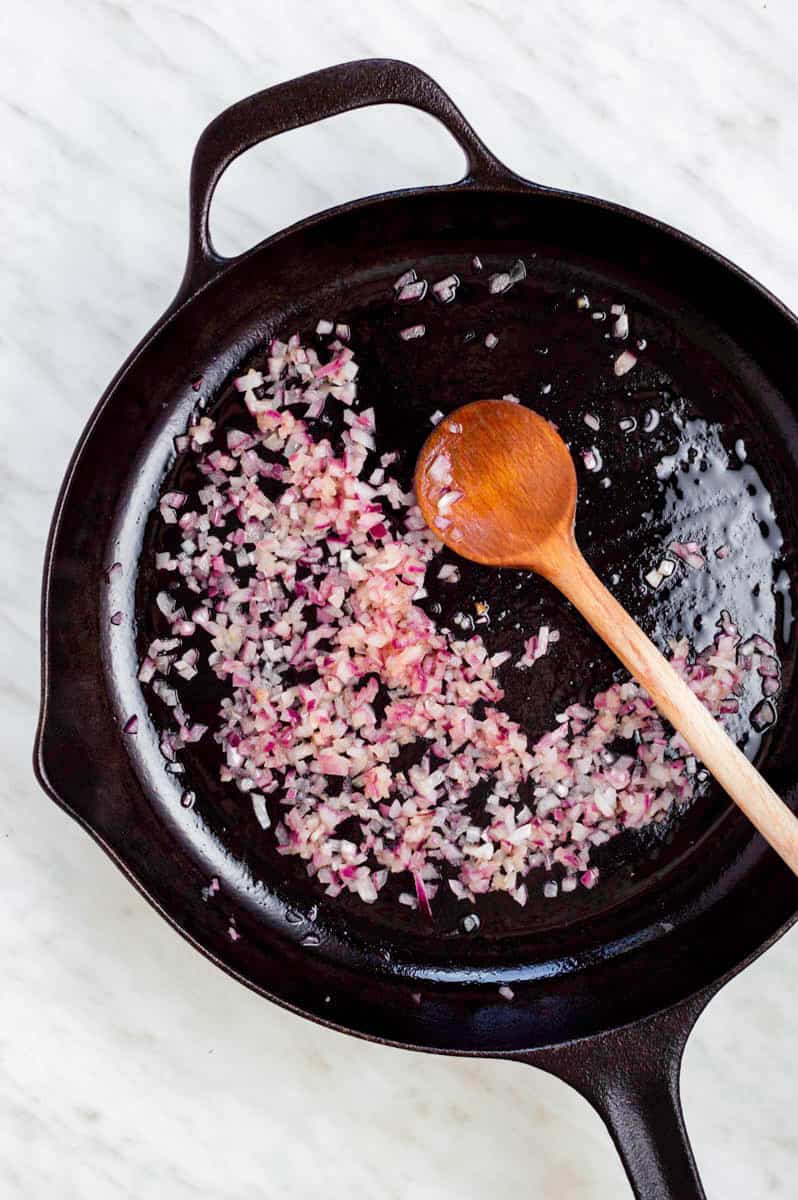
(624, 363)
(592, 458)
(421, 895)
(403, 280)
(447, 500)
(538, 645)
(620, 326)
(412, 291)
(440, 469)
(499, 283)
(445, 290)
(689, 553)
(246, 383)
(763, 716)
(260, 810)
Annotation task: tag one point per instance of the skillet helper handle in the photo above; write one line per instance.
(303, 101)
(631, 1077)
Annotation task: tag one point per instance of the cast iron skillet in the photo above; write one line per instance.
(607, 983)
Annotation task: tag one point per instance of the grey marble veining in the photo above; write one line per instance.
(129, 1067)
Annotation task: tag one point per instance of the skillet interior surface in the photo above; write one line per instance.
(677, 906)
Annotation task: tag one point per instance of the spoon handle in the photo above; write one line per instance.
(674, 699)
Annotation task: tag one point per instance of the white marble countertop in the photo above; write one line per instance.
(128, 1065)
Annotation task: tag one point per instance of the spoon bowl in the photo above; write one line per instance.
(517, 480)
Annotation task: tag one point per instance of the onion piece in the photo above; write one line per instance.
(621, 327)
(624, 363)
(499, 283)
(763, 716)
(447, 500)
(592, 459)
(421, 895)
(260, 810)
(403, 280)
(445, 290)
(689, 553)
(440, 469)
(412, 292)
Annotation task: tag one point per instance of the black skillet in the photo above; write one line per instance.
(607, 983)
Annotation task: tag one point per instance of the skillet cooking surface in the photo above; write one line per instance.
(695, 379)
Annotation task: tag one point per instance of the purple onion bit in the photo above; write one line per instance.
(416, 290)
(763, 716)
(131, 725)
(412, 332)
(445, 290)
(421, 895)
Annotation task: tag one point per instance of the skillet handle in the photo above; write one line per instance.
(303, 101)
(631, 1077)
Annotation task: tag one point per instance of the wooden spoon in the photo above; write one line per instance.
(516, 509)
